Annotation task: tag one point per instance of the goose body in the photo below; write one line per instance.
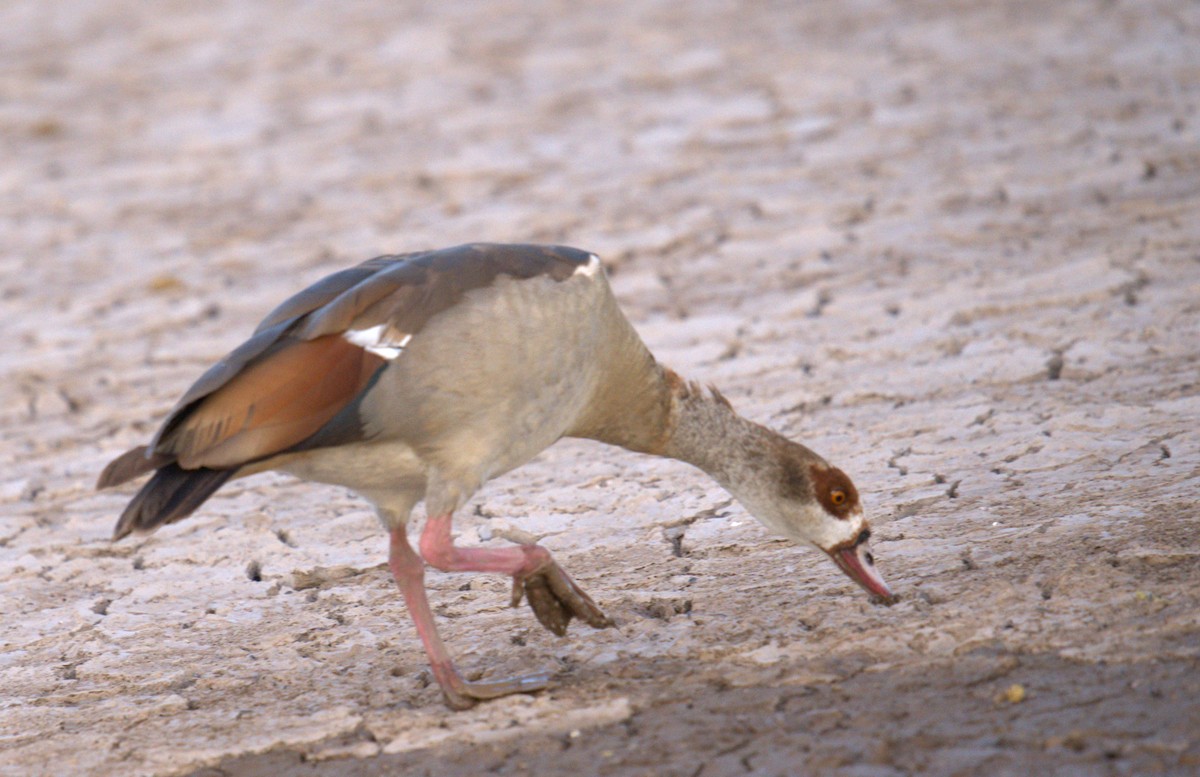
(422, 376)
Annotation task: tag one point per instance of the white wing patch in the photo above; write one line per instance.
(378, 340)
(590, 269)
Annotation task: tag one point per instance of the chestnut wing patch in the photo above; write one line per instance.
(271, 404)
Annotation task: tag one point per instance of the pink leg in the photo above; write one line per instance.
(553, 595)
(409, 572)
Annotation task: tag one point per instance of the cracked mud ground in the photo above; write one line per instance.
(951, 246)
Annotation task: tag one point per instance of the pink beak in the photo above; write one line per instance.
(857, 562)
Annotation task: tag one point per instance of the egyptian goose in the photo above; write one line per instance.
(423, 375)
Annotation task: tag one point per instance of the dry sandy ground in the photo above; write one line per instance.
(953, 246)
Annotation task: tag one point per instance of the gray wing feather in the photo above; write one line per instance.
(324, 291)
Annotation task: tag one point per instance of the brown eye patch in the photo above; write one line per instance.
(834, 490)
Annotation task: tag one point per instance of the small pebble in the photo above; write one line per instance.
(1013, 694)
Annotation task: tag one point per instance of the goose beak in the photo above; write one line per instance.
(856, 560)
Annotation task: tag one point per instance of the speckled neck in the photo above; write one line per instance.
(770, 475)
(707, 433)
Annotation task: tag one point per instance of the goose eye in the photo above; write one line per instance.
(838, 497)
